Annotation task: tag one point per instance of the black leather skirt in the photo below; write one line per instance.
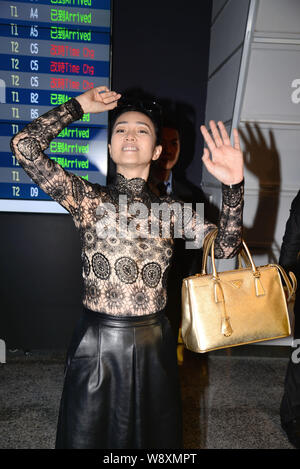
(121, 387)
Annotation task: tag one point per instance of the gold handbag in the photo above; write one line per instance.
(235, 307)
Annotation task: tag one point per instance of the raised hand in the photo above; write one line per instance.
(99, 99)
(226, 162)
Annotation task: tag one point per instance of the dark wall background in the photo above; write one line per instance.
(161, 47)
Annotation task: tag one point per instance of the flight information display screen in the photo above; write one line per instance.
(51, 51)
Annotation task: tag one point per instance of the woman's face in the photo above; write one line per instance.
(133, 140)
(170, 148)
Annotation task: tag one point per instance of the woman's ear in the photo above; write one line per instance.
(109, 149)
(156, 153)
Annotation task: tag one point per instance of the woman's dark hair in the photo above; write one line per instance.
(151, 109)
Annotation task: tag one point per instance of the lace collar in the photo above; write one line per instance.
(134, 186)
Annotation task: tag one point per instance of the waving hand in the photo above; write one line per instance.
(226, 162)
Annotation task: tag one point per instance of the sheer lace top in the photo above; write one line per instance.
(124, 270)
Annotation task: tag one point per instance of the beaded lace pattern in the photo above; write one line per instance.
(122, 275)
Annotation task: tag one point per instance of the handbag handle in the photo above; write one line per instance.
(242, 256)
(291, 285)
(208, 245)
(206, 248)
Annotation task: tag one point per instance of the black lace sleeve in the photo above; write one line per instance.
(195, 226)
(228, 241)
(28, 146)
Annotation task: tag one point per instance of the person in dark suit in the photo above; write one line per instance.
(290, 260)
(161, 173)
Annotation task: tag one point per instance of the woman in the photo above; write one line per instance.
(121, 386)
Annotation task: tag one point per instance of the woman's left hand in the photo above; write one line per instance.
(98, 99)
(226, 162)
